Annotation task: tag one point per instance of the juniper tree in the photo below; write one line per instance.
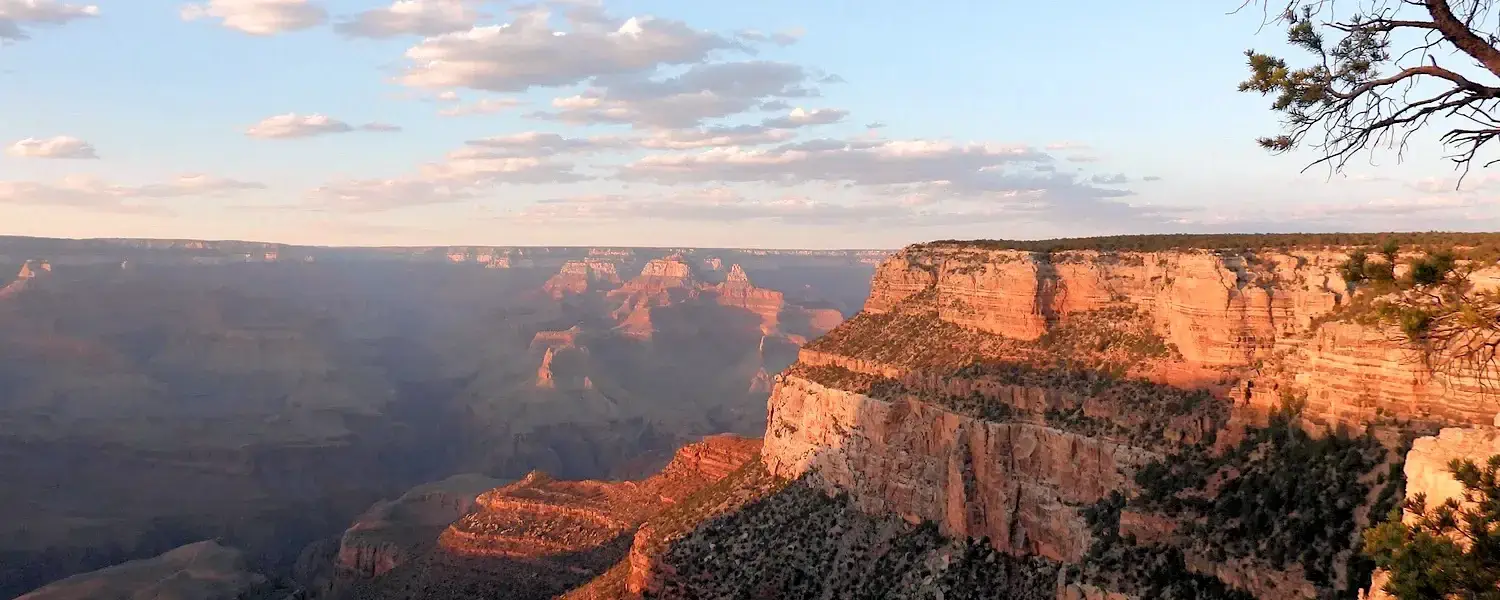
(1379, 71)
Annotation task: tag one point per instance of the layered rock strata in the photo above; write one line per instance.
(391, 531)
(540, 517)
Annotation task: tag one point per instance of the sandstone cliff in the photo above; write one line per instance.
(582, 276)
(391, 531)
(1074, 405)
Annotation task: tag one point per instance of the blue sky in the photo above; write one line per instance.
(321, 122)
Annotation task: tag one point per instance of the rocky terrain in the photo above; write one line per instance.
(1087, 420)
(542, 536)
(265, 395)
(198, 571)
(1077, 424)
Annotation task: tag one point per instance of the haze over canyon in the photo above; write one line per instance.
(1135, 417)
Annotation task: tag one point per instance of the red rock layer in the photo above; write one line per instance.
(1017, 483)
(543, 519)
(1217, 309)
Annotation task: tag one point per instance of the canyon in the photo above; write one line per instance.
(266, 395)
(1097, 421)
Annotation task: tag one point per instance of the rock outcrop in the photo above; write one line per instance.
(391, 531)
(738, 292)
(30, 270)
(1218, 308)
(539, 516)
(582, 276)
(200, 571)
(540, 536)
(1427, 472)
(1427, 462)
(1023, 398)
(1015, 483)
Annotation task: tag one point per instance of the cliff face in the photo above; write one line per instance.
(1016, 483)
(1265, 319)
(1218, 309)
(582, 276)
(1019, 396)
(391, 531)
(1427, 472)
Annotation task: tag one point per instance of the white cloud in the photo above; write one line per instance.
(780, 38)
(724, 205)
(412, 17)
(293, 125)
(528, 52)
(770, 131)
(463, 174)
(714, 137)
(804, 118)
(919, 171)
(862, 162)
(538, 144)
(705, 91)
(94, 194)
(259, 17)
(17, 15)
(55, 147)
(485, 106)
(713, 204)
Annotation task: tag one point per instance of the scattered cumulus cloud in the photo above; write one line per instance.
(919, 172)
(726, 205)
(720, 205)
(17, 17)
(528, 52)
(412, 17)
(259, 17)
(55, 147)
(769, 131)
(701, 92)
(803, 118)
(779, 38)
(715, 137)
(1062, 146)
(875, 125)
(91, 193)
(861, 162)
(293, 125)
(465, 173)
(538, 144)
(484, 106)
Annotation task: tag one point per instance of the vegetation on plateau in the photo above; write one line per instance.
(1224, 241)
(1281, 496)
(800, 543)
(1434, 303)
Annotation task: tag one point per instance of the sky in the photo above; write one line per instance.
(806, 124)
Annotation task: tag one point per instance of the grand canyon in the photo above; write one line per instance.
(1118, 418)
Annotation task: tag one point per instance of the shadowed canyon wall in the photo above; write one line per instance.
(264, 395)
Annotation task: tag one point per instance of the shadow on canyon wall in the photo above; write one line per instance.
(267, 404)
